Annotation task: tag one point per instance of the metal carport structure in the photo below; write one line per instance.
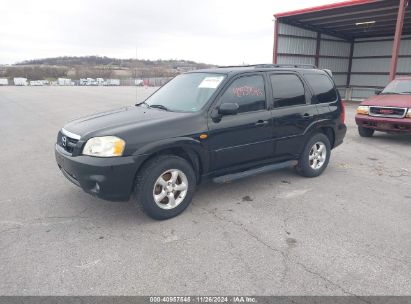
(365, 43)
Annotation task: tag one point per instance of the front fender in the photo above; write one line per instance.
(193, 147)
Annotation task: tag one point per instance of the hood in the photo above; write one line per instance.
(105, 123)
(389, 100)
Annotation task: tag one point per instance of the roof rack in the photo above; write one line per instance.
(301, 66)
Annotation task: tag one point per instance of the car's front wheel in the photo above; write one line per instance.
(315, 156)
(165, 186)
(365, 132)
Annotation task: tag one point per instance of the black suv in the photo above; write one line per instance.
(216, 124)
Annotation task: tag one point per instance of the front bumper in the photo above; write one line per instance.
(392, 125)
(108, 178)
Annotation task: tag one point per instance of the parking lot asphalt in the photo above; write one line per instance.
(347, 232)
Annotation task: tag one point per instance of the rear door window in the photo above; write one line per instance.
(322, 86)
(288, 90)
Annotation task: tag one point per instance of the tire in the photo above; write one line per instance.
(365, 132)
(311, 162)
(162, 179)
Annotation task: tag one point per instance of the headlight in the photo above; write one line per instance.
(408, 113)
(107, 146)
(363, 110)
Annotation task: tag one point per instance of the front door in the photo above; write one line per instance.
(246, 137)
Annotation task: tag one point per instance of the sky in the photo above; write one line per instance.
(222, 32)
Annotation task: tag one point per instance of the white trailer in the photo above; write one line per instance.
(20, 81)
(38, 82)
(113, 82)
(4, 81)
(91, 82)
(64, 81)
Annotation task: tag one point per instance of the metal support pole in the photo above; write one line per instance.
(350, 64)
(317, 50)
(397, 39)
(275, 47)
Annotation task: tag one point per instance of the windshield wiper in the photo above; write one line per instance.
(159, 106)
(389, 93)
(142, 103)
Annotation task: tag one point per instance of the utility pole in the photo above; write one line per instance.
(135, 73)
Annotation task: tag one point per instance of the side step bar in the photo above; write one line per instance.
(269, 168)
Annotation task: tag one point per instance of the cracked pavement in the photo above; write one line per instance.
(347, 232)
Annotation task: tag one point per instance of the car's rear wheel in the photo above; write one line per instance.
(365, 132)
(165, 186)
(315, 156)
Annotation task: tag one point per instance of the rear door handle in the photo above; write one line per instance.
(261, 123)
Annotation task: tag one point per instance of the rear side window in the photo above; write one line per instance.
(288, 90)
(322, 86)
(248, 92)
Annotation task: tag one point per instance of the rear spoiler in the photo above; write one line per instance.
(329, 72)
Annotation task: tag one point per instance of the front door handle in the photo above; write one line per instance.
(261, 123)
(307, 115)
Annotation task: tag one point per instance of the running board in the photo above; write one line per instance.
(269, 168)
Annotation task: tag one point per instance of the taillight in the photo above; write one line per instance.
(342, 111)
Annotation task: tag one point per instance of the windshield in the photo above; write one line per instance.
(186, 92)
(397, 86)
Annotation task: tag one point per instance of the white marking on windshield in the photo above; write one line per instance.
(211, 82)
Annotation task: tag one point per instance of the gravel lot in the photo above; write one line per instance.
(345, 232)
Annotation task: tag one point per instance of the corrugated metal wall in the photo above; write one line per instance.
(299, 46)
(370, 63)
(296, 31)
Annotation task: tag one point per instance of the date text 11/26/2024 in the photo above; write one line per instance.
(203, 299)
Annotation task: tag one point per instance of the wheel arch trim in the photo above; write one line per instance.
(194, 149)
(320, 125)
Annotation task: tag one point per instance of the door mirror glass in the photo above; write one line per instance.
(228, 109)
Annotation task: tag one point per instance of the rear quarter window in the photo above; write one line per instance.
(322, 86)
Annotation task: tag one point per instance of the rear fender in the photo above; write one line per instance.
(318, 126)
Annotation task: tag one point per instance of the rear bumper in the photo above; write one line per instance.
(107, 178)
(339, 135)
(394, 125)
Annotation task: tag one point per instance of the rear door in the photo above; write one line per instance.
(292, 112)
(240, 139)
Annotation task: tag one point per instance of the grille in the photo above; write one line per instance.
(388, 112)
(66, 142)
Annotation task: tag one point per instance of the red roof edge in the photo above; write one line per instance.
(323, 7)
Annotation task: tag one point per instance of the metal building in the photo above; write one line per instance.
(365, 43)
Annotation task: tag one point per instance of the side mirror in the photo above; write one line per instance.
(228, 109)
(378, 92)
